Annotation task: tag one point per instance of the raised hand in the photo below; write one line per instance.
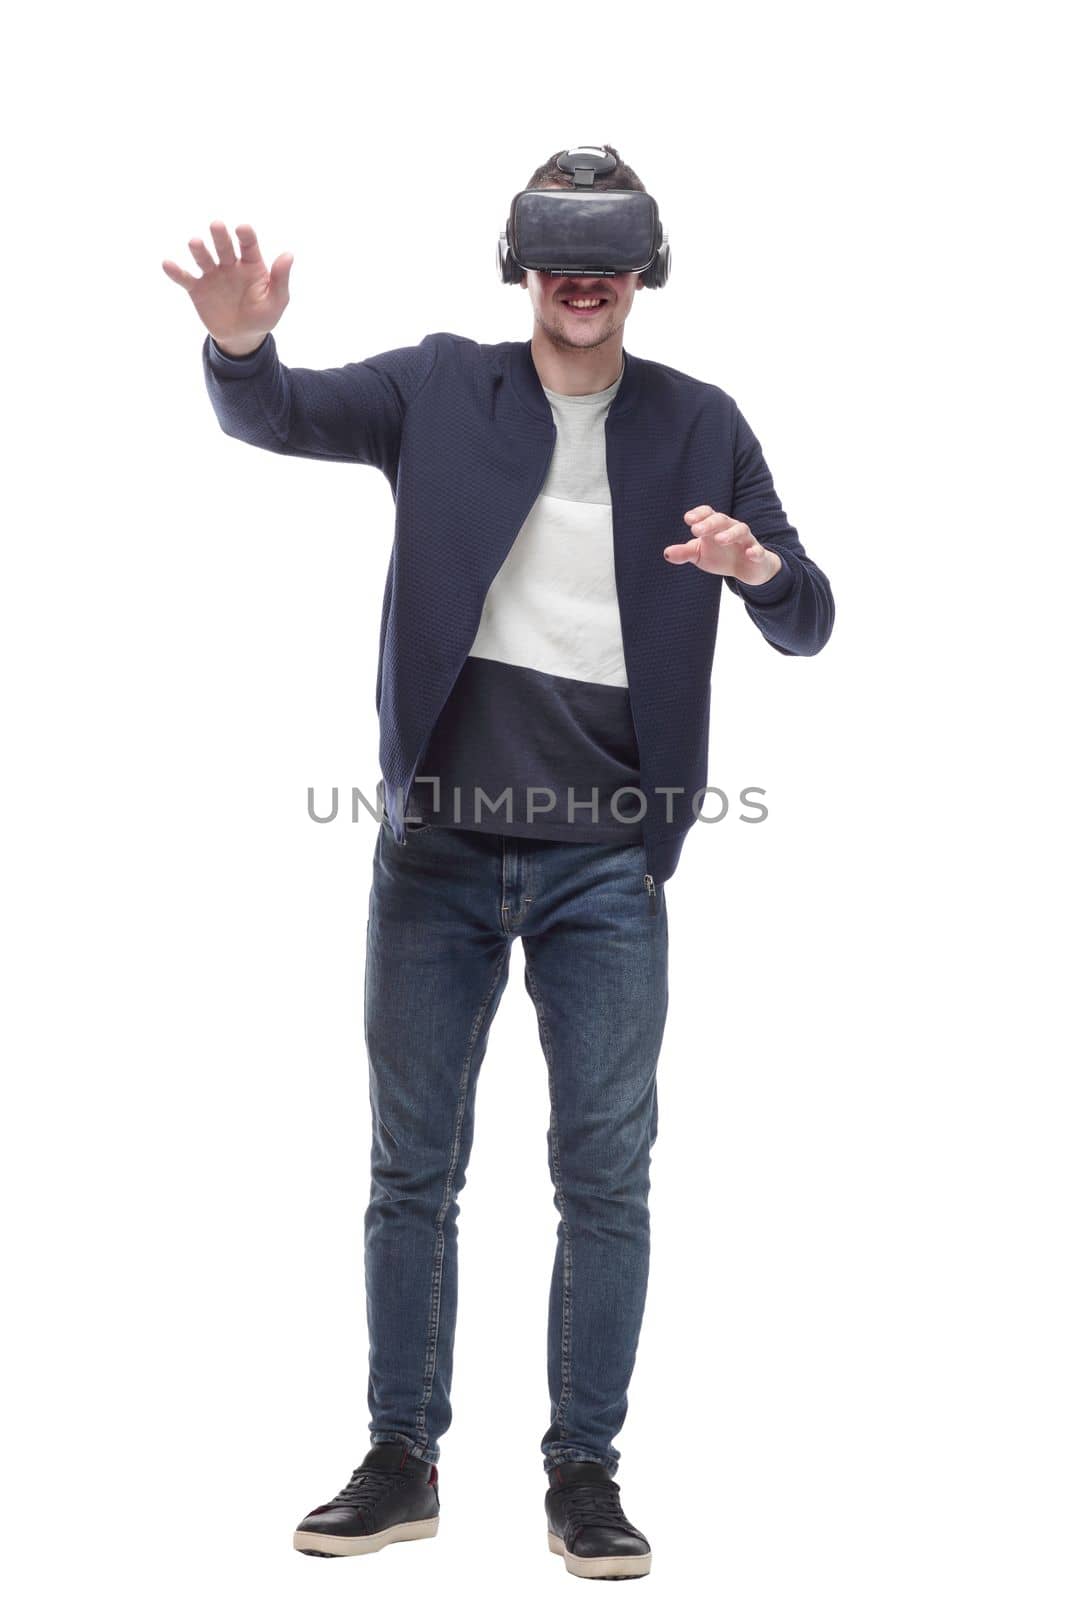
(238, 299)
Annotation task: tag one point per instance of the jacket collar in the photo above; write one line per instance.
(527, 384)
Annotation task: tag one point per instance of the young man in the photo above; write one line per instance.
(543, 698)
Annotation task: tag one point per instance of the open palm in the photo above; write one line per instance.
(237, 298)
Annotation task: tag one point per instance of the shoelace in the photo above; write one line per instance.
(594, 1505)
(365, 1485)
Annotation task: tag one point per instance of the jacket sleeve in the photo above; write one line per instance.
(794, 610)
(350, 413)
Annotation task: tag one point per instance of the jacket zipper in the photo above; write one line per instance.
(650, 886)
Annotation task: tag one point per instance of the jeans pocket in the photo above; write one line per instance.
(412, 830)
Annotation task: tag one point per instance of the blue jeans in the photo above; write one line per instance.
(445, 908)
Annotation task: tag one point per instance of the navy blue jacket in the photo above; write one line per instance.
(464, 434)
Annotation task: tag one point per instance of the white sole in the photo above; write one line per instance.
(335, 1544)
(600, 1566)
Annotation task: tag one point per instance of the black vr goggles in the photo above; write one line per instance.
(584, 232)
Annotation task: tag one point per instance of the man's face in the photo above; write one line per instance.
(580, 329)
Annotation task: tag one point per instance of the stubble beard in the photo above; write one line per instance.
(556, 332)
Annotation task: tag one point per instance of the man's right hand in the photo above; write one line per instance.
(239, 301)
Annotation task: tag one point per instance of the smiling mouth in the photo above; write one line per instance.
(584, 305)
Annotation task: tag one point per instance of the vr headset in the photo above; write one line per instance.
(584, 232)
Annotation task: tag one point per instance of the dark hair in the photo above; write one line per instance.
(622, 177)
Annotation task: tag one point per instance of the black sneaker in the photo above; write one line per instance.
(587, 1527)
(391, 1495)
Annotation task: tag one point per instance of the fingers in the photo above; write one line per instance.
(179, 275)
(246, 238)
(707, 522)
(202, 255)
(279, 272)
(220, 235)
(680, 553)
(702, 519)
(223, 244)
(718, 527)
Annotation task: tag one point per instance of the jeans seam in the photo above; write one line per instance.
(558, 1419)
(433, 1329)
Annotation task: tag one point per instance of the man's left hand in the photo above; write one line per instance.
(723, 546)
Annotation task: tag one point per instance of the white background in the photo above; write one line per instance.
(851, 1378)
